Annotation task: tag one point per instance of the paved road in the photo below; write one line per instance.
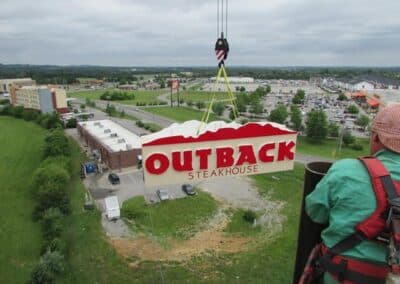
(134, 111)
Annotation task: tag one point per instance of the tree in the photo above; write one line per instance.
(333, 130)
(299, 97)
(218, 108)
(268, 89)
(279, 114)
(316, 126)
(362, 121)
(342, 97)
(353, 109)
(256, 107)
(301, 94)
(242, 89)
(295, 118)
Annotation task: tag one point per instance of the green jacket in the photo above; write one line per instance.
(344, 198)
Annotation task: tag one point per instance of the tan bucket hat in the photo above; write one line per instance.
(387, 125)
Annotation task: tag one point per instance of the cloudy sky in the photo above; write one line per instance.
(183, 32)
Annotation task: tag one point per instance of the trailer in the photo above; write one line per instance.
(112, 208)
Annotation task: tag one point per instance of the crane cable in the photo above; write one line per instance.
(221, 52)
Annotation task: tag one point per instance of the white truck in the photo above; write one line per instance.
(112, 208)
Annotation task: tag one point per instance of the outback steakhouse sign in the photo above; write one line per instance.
(177, 155)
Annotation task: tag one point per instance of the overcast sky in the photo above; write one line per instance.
(183, 32)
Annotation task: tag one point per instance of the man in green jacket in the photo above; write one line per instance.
(345, 196)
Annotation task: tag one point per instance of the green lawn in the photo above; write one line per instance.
(176, 218)
(20, 238)
(329, 149)
(141, 96)
(90, 258)
(198, 96)
(180, 114)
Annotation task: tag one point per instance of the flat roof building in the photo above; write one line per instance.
(7, 84)
(117, 146)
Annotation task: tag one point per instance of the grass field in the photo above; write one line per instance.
(170, 219)
(329, 149)
(198, 96)
(90, 258)
(141, 96)
(20, 238)
(181, 114)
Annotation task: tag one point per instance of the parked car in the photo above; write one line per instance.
(188, 189)
(113, 178)
(163, 194)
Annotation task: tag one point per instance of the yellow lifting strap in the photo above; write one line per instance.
(231, 97)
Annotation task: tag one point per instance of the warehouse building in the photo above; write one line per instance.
(7, 84)
(41, 98)
(117, 146)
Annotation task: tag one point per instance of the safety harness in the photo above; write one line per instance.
(382, 225)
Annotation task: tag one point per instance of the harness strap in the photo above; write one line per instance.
(346, 244)
(348, 270)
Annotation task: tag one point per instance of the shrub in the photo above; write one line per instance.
(357, 147)
(244, 121)
(71, 123)
(140, 124)
(49, 266)
(56, 143)
(30, 115)
(348, 138)
(249, 216)
(51, 223)
(50, 183)
(189, 103)
(55, 244)
(17, 111)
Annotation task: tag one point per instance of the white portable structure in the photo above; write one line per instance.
(112, 208)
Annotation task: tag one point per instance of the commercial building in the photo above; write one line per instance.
(41, 98)
(116, 146)
(7, 84)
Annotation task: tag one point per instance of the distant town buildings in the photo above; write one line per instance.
(235, 80)
(128, 87)
(7, 84)
(41, 98)
(89, 82)
(360, 83)
(152, 86)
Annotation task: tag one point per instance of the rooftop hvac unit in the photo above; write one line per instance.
(97, 124)
(107, 131)
(113, 135)
(121, 140)
(128, 147)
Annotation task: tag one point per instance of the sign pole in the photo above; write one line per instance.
(178, 96)
(171, 93)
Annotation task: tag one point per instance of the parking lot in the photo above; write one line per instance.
(317, 99)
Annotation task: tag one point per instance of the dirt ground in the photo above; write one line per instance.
(212, 238)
